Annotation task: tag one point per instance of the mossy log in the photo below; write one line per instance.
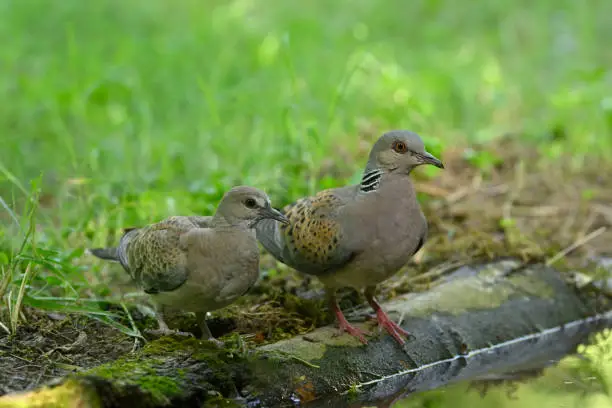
(480, 321)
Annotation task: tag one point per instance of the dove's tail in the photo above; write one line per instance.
(109, 254)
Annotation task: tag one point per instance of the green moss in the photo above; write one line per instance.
(311, 348)
(159, 387)
(353, 393)
(157, 357)
(170, 344)
(301, 349)
(70, 393)
(467, 293)
(531, 284)
(141, 373)
(198, 349)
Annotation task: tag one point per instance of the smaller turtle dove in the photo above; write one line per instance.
(360, 235)
(197, 264)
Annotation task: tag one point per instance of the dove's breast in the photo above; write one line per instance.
(217, 276)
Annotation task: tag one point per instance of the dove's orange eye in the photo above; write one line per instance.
(400, 147)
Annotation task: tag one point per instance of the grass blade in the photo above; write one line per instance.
(19, 301)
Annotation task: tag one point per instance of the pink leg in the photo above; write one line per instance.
(343, 324)
(384, 321)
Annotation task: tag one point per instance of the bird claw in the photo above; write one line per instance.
(354, 331)
(217, 343)
(343, 324)
(391, 327)
(167, 332)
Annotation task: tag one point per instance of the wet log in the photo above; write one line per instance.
(478, 322)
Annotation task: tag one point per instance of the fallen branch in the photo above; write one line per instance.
(477, 323)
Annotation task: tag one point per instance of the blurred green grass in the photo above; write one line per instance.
(125, 112)
(165, 96)
(139, 109)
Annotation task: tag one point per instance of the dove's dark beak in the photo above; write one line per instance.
(428, 158)
(274, 214)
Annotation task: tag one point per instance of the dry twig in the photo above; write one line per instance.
(576, 245)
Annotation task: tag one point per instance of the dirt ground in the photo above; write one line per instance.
(50, 345)
(517, 207)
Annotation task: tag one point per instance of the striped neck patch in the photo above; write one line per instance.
(370, 180)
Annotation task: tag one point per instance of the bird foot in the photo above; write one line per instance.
(161, 332)
(217, 343)
(391, 327)
(353, 331)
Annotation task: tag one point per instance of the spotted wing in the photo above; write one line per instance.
(313, 241)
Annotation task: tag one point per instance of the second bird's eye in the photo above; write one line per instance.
(250, 203)
(400, 147)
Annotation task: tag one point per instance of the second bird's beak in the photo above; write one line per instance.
(428, 158)
(274, 214)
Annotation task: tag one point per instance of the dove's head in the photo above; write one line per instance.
(244, 205)
(400, 150)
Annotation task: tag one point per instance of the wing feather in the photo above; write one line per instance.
(313, 241)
